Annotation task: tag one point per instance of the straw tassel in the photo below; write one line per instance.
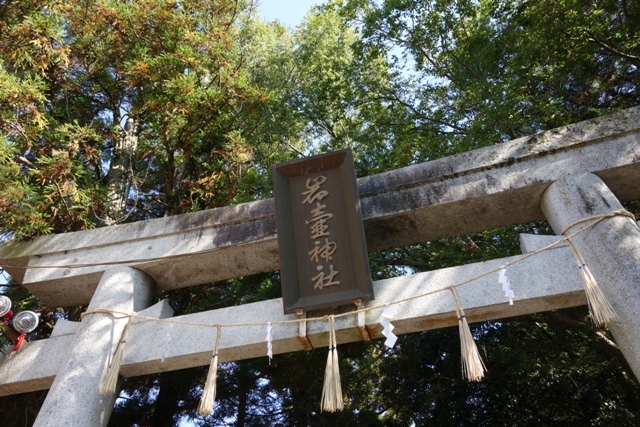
(110, 382)
(209, 392)
(472, 365)
(332, 390)
(601, 310)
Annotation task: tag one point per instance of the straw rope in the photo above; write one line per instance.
(472, 364)
(565, 239)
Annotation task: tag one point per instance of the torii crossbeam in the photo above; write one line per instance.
(561, 175)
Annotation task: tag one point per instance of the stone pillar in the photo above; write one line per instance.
(610, 248)
(74, 398)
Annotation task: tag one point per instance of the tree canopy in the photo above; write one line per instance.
(116, 111)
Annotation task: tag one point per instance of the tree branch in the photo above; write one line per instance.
(607, 47)
(25, 161)
(604, 342)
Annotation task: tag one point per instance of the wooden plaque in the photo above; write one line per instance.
(323, 254)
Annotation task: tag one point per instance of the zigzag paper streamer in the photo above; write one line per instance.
(388, 327)
(269, 338)
(506, 285)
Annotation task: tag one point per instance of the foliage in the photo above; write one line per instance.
(176, 70)
(534, 377)
(491, 71)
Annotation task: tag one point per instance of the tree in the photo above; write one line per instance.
(123, 109)
(455, 77)
(497, 70)
(117, 111)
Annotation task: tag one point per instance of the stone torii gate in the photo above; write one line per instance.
(563, 175)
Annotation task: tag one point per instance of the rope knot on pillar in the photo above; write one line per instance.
(110, 382)
(599, 307)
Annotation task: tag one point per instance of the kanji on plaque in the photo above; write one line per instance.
(323, 280)
(322, 253)
(318, 221)
(313, 192)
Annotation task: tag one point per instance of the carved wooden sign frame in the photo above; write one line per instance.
(323, 254)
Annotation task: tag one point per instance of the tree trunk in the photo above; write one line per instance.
(242, 409)
(166, 404)
(120, 177)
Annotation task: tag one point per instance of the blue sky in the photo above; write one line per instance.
(289, 12)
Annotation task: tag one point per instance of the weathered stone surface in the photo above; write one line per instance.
(35, 366)
(74, 398)
(545, 282)
(534, 242)
(611, 250)
(64, 327)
